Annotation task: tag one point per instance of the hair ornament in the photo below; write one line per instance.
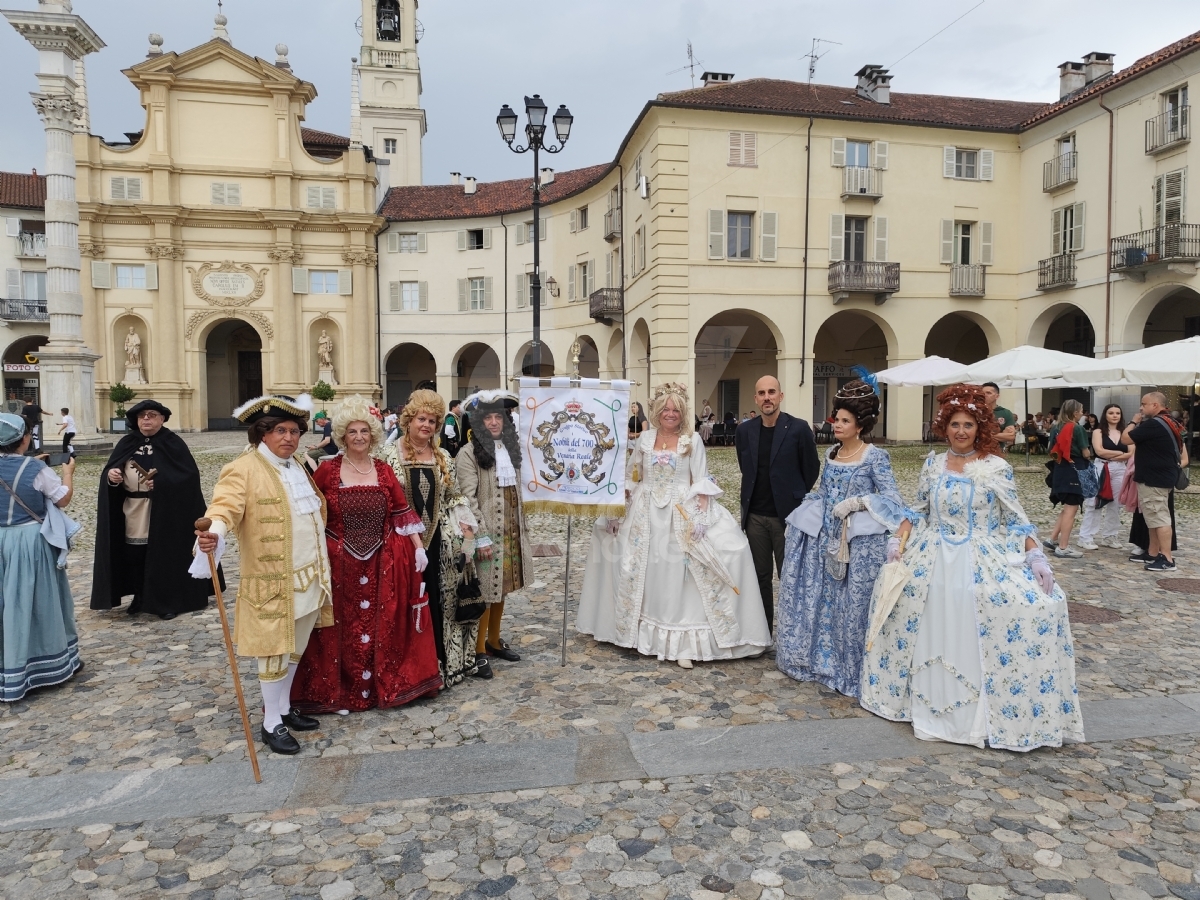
(671, 387)
(864, 374)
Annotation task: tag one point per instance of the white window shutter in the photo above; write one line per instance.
(487, 292)
(314, 197)
(542, 227)
(879, 153)
(987, 164)
(986, 253)
(948, 157)
(345, 282)
(1077, 231)
(463, 295)
(735, 148)
(570, 282)
(12, 278)
(233, 194)
(749, 148)
(393, 296)
(770, 237)
(522, 281)
(133, 189)
(487, 239)
(12, 227)
(716, 234)
(102, 275)
(117, 188)
(522, 229)
(423, 295)
(421, 245)
(881, 239)
(574, 220)
(1172, 197)
(462, 240)
(328, 198)
(1057, 244)
(217, 189)
(837, 237)
(299, 280)
(394, 242)
(947, 241)
(839, 152)
(608, 269)
(152, 276)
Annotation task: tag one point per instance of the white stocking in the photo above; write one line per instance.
(285, 699)
(274, 693)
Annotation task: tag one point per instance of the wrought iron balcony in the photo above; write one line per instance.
(862, 181)
(1174, 243)
(966, 281)
(1166, 130)
(1056, 272)
(606, 304)
(31, 245)
(24, 311)
(851, 277)
(612, 224)
(1060, 171)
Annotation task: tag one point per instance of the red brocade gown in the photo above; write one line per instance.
(380, 651)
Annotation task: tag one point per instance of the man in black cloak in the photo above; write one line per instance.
(150, 499)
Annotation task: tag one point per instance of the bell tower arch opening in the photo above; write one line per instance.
(389, 71)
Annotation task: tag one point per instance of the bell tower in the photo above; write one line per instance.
(393, 121)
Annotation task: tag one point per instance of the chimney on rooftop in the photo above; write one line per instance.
(711, 78)
(1071, 78)
(456, 177)
(1097, 65)
(546, 177)
(874, 84)
(469, 184)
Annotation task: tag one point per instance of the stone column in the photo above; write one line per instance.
(67, 365)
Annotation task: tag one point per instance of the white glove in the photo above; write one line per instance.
(612, 526)
(1042, 573)
(849, 505)
(893, 549)
(699, 530)
(422, 559)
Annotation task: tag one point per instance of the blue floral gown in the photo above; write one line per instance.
(973, 650)
(823, 606)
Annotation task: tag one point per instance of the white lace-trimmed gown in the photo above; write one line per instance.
(641, 590)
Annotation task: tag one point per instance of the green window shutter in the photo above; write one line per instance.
(1079, 217)
(423, 295)
(948, 157)
(716, 232)
(986, 252)
(837, 237)
(393, 242)
(522, 230)
(522, 282)
(1057, 244)
(879, 154)
(152, 276)
(987, 164)
(102, 275)
(487, 292)
(421, 245)
(770, 237)
(881, 239)
(570, 283)
(487, 239)
(299, 280)
(542, 227)
(345, 282)
(839, 152)
(464, 289)
(393, 296)
(462, 240)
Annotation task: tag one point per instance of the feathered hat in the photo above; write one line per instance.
(296, 409)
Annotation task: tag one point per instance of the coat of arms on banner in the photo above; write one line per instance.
(575, 448)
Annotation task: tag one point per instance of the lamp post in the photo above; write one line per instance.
(535, 133)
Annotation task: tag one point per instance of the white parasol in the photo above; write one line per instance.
(703, 552)
(1176, 363)
(932, 370)
(892, 579)
(1024, 363)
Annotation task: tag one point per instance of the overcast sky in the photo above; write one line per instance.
(603, 58)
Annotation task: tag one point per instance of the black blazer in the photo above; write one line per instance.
(795, 465)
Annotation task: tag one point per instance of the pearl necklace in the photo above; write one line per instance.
(861, 445)
(356, 468)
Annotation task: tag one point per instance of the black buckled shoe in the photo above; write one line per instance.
(281, 741)
(483, 668)
(298, 721)
(503, 652)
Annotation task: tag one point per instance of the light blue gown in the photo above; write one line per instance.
(823, 617)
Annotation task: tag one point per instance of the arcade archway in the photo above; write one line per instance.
(733, 350)
(233, 359)
(408, 367)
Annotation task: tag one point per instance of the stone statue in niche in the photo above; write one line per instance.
(325, 359)
(135, 372)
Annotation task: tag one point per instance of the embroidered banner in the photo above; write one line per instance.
(573, 442)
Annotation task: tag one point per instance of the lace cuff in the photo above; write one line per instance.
(411, 528)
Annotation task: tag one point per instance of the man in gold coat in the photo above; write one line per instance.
(267, 498)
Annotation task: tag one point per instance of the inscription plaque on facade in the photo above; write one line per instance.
(228, 284)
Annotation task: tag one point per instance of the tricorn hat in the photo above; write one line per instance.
(496, 400)
(131, 414)
(297, 409)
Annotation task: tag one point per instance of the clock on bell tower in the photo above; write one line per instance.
(393, 121)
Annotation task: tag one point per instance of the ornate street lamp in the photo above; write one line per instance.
(535, 132)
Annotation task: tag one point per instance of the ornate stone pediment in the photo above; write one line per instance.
(229, 285)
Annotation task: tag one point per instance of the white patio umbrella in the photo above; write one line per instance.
(1176, 363)
(932, 370)
(1023, 363)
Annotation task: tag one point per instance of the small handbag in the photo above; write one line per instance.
(1089, 481)
(468, 591)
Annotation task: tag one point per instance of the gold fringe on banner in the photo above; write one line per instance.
(564, 508)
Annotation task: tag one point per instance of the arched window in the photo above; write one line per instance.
(387, 18)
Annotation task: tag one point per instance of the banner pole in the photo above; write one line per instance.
(566, 588)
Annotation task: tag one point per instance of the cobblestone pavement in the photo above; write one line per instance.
(1111, 821)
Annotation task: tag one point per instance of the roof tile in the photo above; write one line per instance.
(22, 191)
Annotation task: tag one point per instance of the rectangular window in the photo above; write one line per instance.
(34, 287)
(1066, 144)
(858, 153)
(322, 282)
(126, 188)
(637, 171)
(743, 148)
(856, 238)
(587, 279)
(475, 239)
(639, 249)
(322, 197)
(408, 243)
(1169, 190)
(226, 193)
(410, 296)
(581, 218)
(1174, 102)
(966, 163)
(962, 243)
(478, 293)
(131, 277)
(1066, 224)
(739, 235)
(389, 146)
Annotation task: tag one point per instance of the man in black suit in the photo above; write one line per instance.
(777, 454)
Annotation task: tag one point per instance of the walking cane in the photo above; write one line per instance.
(205, 525)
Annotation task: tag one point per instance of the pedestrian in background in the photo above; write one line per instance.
(1158, 456)
(1068, 454)
(637, 421)
(1102, 513)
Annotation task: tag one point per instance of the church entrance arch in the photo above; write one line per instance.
(233, 358)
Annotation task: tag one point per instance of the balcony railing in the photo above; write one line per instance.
(606, 304)
(1056, 272)
(31, 244)
(1170, 128)
(862, 181)
(850, 277)
(1177, 242)
(1059, 172)
(612, 224)
(24, 311)
(966, 281)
